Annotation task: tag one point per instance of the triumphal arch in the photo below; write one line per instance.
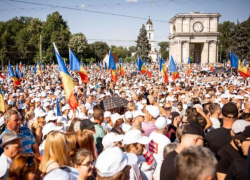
(194, 35)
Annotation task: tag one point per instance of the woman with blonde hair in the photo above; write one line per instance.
(85, 140)
(56, 152)
(25, 167)
(82, 160)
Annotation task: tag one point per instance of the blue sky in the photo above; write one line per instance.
(122, 31)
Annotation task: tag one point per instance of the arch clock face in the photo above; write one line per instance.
(198, 27)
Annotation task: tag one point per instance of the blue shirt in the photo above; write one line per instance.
(28, 139)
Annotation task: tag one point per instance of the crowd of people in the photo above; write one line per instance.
(192, 128)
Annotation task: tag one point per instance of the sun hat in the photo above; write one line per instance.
(113, 160)
(8, 137)
(115, 117)
(135, 136)
(107, 114)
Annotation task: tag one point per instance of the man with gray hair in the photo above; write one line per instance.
(195, 163)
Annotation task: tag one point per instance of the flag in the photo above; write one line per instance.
(58, 112)
(67, 81)
(1, 76)
(143, 68)
(236, 63)
(163, 70)
(211, 67)
(121, 70)
(20, 65)
(173, 69)
(98, 67)
(38, 69)
(244, 62)
(105, 65)
(16, 80)
(2, 104)
(188, 67)
(17, 72)
(52, 65)
(112, 67)
(35, 70)
(21, 74)
(76, 66)
(228, 62)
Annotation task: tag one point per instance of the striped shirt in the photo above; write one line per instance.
(28, 139)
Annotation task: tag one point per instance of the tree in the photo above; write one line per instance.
(225, 30)
(164, 49)
(97, 50)
(239, 41)
(78, 45)
(56, 30)
(131, 50)
(142, 44)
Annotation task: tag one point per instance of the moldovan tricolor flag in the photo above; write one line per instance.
(2, 104)
(188, 67)
(68, 83)
(20, 65)
(142, 68)
(236, 63)
(16, 80)
(121, 70)
(112, 67)
(76, 66)
(163, 70)
(38, 69)
(173, 69)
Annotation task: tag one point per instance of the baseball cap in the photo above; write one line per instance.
(107, 114)
(110, 138)
(135, 136)
(207, 96)
(115, 117)
(225, 96)
(245, 134)
(128, 115)
(239, 126)
(47, 128)
(194, 129)
(50, 117)
(86, 124)
(65, 108)
(162, 122)
(113, 160)
(230, 108)
(138, 113)
(153, 111)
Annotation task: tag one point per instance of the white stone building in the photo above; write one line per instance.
(196, 29)
(150, 35)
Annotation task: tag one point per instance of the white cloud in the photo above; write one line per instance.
(82, 5)
(132, 1)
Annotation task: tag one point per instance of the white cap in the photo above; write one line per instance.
(138, 113)
(114, 160)
(47, 128)
(37, 100)
(225, 96)
(110, 138)
(107, 114)
(162, 122)
(207, 96)
(239, 97)
(135, 136)
(153, 111)
(46, 104)
(128, 115)
(115, 117)
(50, 117)
(239, 126)
(65, 107)
(40, 113)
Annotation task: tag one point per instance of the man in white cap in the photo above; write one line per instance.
(113, 163)
(134, 142)
(107, 119)
(126, 126)
(38, 105)
(159, 139)
(152, 113)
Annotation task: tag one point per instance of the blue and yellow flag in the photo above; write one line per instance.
(188, 67)
(112, 67)
(2, 104)
(68, 83)
(75, 65)
(173, 69)
(15, 77)
(163, 70)
(236, 63)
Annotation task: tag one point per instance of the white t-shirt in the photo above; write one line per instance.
(157, 172)
(157, 145)
(4, 165)
(147, 165)
(216, 123)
